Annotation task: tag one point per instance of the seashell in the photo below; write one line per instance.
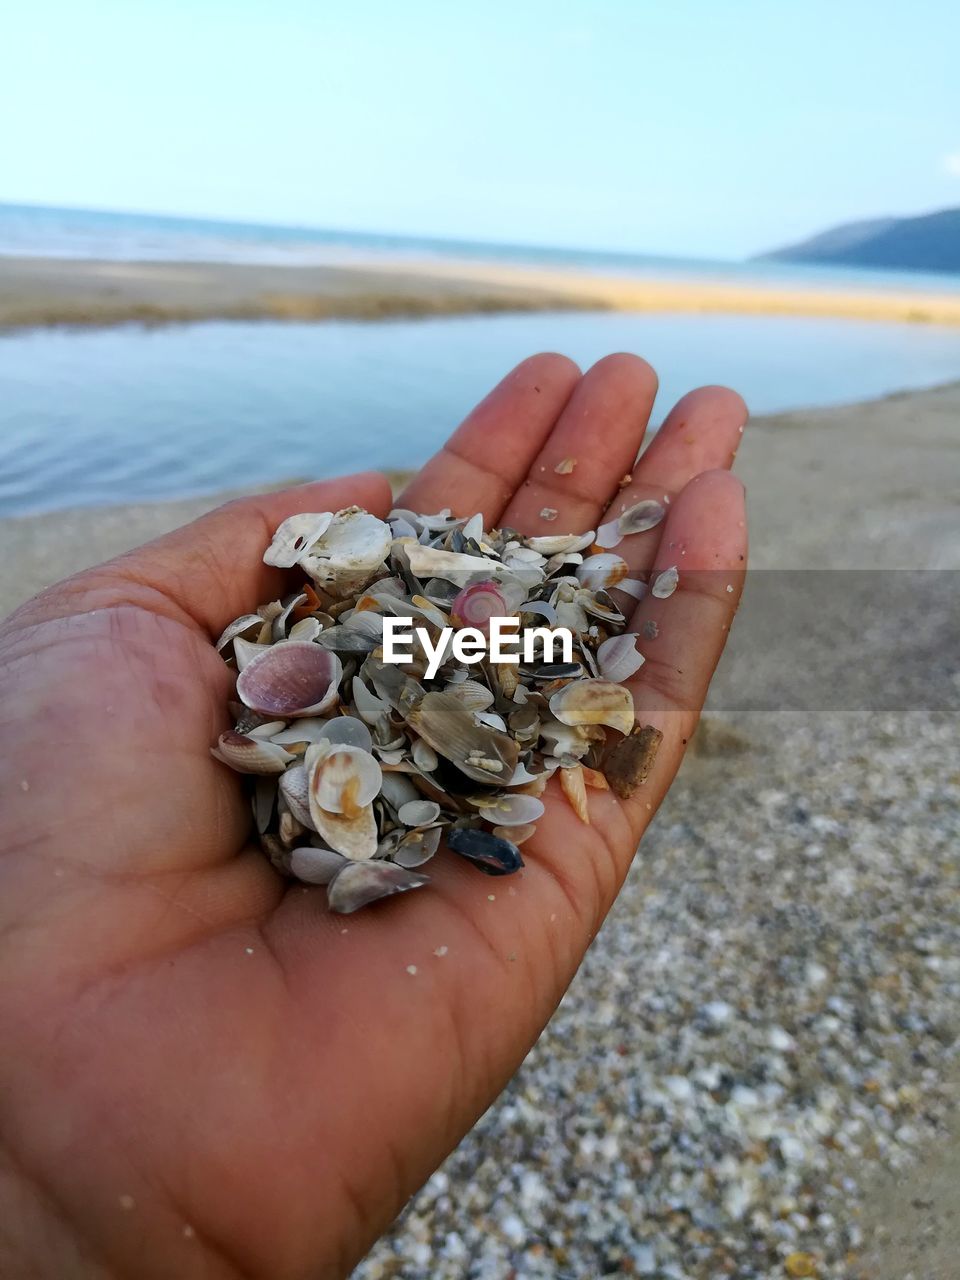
(295, 792)
(432, 562)
(290, 680)
(491, 720)
(267, 729)
(368, 705)
(492, 854)
(594, 702)
(474, 695)
(364, 882)
(541, 609)
(597, 573)
(349, 553)
(348, 731)
(305, 629)
(553, 671)
(343, 779)
(558, 543)
(418, 813)
(618, 658)
(633, 587)
(513, 810)
(565, 466)
(521, 777)
(516, 835)
(424, 756)
(264, 801)
(290, 828)
(316, 866)
(574, 788)
(473, 529)
(308, 729)
(278, 627)
(238, 627)
(593, 778)
(664, 585)
(477, 604)
(344, 639)
(398, 789)
(417, 847)
(569, 740)
(609, 535)
(599, 605)
(244, 651)
(295, 538)
(250, 755)
(640, 517)
(353, 834)
(483, 754)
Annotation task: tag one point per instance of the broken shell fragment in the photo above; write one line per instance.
(292, 679)
(574, 788)
(349, 553)
(361, 883)
(665, 584)
(295, 537)
(600, 572)
(640, 517)
(618, 658)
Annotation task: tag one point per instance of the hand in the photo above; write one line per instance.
(204, 1073)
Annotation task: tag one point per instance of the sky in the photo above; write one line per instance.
(699, 128)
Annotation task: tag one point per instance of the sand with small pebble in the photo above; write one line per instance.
(752, 1075)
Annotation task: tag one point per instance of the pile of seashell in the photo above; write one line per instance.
(359, 766)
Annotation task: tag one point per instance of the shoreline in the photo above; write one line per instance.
(880, 472)
(38, 293)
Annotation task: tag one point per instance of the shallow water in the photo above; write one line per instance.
(126, 414)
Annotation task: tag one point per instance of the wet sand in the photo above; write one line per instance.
(42, 292)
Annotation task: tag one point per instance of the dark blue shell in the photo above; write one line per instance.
(492, 854)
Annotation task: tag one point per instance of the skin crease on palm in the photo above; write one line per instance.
(203, 1073)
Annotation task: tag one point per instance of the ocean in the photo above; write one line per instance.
(128, 414)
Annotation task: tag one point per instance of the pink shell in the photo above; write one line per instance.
(290, 679)
(476, 605)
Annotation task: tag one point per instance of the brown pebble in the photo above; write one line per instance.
(631, 760)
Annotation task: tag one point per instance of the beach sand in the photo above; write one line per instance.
(794, 910)
(36, 292)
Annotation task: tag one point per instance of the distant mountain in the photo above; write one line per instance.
(930, 242)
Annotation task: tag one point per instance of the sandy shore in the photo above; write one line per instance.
(754, 1066)
(37, 292)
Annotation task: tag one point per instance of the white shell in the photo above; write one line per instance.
(597, 573)
(295, 793)
(452, 566)
(513, 811)
(424, 756)
(641, 517)
(664, 585)
(316, 866)
(474, 695)
(618, 658)
(354, 835)
(557, 543)
(342, 778)
(609, 535)
(349, 553)
(246, 650)
(295, 537)
(250, 755)
(418, 813)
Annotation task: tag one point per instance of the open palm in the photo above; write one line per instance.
(203, 1072)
